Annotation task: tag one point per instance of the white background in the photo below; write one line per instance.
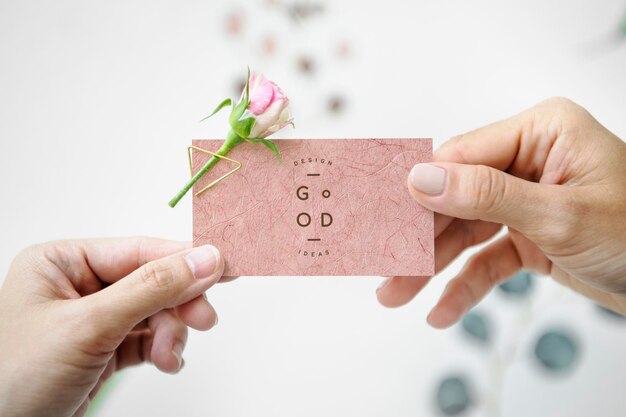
(98, 101)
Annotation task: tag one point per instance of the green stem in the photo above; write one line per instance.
(232, 140)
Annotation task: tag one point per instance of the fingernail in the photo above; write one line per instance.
(177, 351)
(203, 261)
(427, 178)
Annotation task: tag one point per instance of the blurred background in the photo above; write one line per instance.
(98, 101)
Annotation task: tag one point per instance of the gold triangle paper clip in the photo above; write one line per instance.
(229, 173)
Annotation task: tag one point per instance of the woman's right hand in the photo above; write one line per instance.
(74, 312)
(556, 177)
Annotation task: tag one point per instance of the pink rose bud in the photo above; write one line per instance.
(268, 105)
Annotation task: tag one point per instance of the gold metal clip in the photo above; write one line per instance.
(189, 148)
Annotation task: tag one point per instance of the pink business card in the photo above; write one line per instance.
(329, 207)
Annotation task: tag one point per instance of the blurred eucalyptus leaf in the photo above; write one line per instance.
(556, 351)
(453, 396)
(476, 325)
(519, 285)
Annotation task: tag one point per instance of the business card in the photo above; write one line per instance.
(328, 207)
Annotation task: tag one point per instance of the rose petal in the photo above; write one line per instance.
(284, 116)
(278, 126)
(278, 93)
(261, 94)
(267, 119)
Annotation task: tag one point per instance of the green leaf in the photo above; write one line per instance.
(272, 146)
(243, 126)
(226, 102)
(237, 112)
(268, 143)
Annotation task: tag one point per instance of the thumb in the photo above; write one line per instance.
(481, 192)
(157, 285)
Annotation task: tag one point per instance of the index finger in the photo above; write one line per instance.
(519, 145)
(111, 259)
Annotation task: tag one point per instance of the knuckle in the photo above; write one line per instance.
(486, 190)
(466, 291)
(144, 245)
(158, 276)
(451, 150)
(474, 263)
(564, 111)
(33, 257)
(31, 251)
(485, 274)
(558, 102)
(489, 273)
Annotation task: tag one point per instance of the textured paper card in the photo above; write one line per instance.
(330, 207)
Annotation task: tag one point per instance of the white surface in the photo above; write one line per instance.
(99, 99)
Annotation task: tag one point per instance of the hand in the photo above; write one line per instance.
(74, 312)
(556, 178)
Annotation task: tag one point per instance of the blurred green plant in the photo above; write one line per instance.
(475, 325)
(96, 403)
(556, 351)
(519, 285)
(453, 397)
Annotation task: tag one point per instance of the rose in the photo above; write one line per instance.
(261, 111)
(268, 105)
